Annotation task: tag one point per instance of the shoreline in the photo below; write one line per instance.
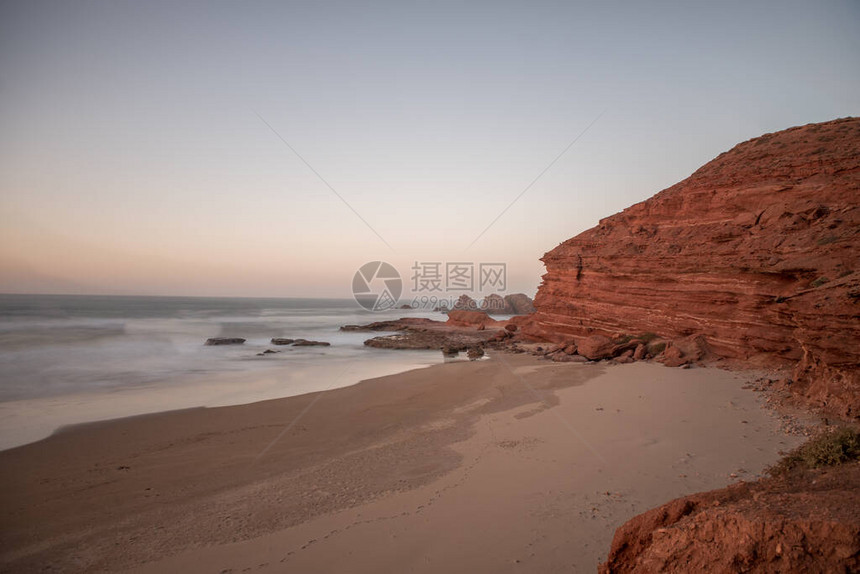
(26, 421)
(512, 438)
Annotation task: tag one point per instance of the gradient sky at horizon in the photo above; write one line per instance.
(133, 160)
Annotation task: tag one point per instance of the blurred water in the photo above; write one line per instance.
(68, 359)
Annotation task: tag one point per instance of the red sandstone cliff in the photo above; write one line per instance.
(757, 252)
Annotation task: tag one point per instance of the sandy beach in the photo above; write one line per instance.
(505, 464)
(473, 287)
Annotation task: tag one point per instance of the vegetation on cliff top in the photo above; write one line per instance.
(829, 449)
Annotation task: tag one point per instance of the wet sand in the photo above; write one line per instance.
(509, 464)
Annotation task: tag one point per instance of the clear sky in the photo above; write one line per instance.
(134, 160)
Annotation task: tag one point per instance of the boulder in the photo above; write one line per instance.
(282, 341)
(474, 353)
(683, 352)
(674, 357)
(500, 335)
(595, 347)
(453, 349)
(554, 348)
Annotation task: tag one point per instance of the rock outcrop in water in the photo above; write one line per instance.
(308, 343)
(465, 303)
(418, 333)
(520, 303)
(755, 256)
(213, 341)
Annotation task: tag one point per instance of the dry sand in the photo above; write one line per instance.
(510, 464)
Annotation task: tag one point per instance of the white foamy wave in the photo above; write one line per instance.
(57, 350)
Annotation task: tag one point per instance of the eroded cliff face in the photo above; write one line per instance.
(756, 252)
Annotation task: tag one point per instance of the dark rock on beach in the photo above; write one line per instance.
(475, 353)
(453, 349)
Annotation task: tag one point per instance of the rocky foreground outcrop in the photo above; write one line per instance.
(753, 257)
(808, 522)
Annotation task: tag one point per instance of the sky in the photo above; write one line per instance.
(272, 148)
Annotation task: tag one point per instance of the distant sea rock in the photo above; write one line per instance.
(465, 303)
(394, 325)
(520, 303)
(495, 304)
(224, 341)
(307, 343)
(302, 342)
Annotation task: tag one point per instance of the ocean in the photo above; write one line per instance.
(69, 359)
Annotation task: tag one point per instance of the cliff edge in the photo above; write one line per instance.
(755, 255)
